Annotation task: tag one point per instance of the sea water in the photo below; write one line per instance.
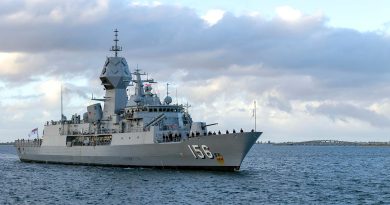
(269, 175)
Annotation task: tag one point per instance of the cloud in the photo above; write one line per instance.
(213, 16)
(344, 111)
(288, 13)
(9, 64)
(279, 103)
(285, 63)
(176, 37)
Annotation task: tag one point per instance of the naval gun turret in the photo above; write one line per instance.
(115, 78)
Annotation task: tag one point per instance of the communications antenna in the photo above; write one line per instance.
(116, 48)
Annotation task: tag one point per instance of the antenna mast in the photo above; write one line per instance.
(167, 89)
(177, 101)
(187, 106)
(254, 112)
(116, 48)
(62, 107)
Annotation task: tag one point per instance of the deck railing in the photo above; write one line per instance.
(28, 143)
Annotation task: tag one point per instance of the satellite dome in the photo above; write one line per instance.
(168, 100)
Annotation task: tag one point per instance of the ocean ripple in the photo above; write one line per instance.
(269, 175)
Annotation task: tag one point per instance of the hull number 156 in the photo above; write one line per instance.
(201, 151)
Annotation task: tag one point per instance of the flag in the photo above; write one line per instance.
(254, 109)
(33, 133)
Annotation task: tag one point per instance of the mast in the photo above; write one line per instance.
(139, 84)
(254, 112)
(62, 113)
(167, 89)
(115, 78)
(62, 107)
(187, 106)
(116, 48)
(177, 101)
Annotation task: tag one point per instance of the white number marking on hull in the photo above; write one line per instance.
(189, 147)
(200, 151)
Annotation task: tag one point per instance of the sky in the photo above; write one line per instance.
(316, 69)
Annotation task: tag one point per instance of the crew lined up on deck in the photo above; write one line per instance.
(214, 133)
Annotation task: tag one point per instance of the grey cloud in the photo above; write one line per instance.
(10, 6)
(25, 97)
(305, 60)
(178, 38)
(279, 103)
(160, 28)
(71, 90)
(343, 111)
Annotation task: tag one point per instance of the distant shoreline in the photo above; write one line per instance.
(7, 143)
(333, 143)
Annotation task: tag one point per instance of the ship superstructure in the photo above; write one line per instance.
(135, 131)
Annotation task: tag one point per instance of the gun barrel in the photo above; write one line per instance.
(210, 125)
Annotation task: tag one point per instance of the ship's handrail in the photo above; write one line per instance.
(105, 131)
(136, 129)
(28, 143)
(90, 141)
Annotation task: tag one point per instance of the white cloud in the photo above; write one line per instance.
(213, 16)
(8, 64)
(145, 3)
(20, 65)
(288, 13)
(51, 90)
(254, 14)
(381, 107)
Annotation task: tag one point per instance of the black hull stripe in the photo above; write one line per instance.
(208, 168)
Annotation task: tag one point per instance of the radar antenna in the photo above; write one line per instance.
(167, 90)
(116, 48)
(187, 106)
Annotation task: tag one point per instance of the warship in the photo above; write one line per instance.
(137, 130)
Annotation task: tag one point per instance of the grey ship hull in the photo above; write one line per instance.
(230, 148)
